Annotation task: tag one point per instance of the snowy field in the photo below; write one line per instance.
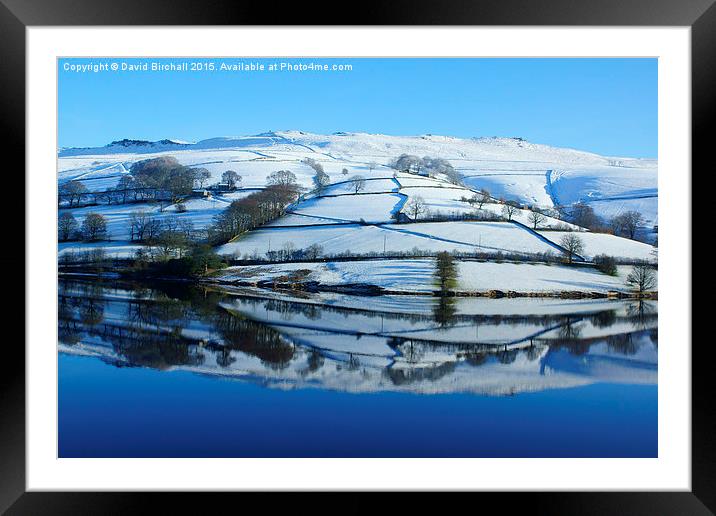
(377, 185)
(440, 201)
(602, 243)
(351, 208)
(115, 249)
(338, 239)
(417, 275)
(488, 237)
(527, 187)
(412, 180)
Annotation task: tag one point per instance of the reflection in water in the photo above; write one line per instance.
(439, 345)
(254, 339)
(445, 311)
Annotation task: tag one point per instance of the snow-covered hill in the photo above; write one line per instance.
(508, 167)
(339, 220)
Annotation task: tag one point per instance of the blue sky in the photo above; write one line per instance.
(608, 106)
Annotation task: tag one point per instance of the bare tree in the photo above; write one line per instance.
(344, 171)
(559, 212)
(287, 250)
(170, 223)
(202, 176)
(583, 215)
(125, 185)
(313, 251)
(536, 218)
(509, 209)
(573, 244)
(180, 181)
(171, 243)
(143, 226)
(73, 191)
(231, 179)
(416, 206)
(372, 166)
(642, 277)
(358, 183)
(66, 226)
(628, 222)
(94, 227)
(281, 178)
(482, 197)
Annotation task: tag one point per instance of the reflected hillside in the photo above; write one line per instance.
(413, 344)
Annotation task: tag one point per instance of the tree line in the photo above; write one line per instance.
(162, 178)
(624, 224)
(426, 165)
(257, 208)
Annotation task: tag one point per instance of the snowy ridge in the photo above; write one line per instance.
(364, 144)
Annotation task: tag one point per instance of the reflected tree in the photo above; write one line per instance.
(92, 312)
(255, 339)
(444, 311)
(405, 376)
(604, 319)
(315, 361)
(224, 358)
(623, 343)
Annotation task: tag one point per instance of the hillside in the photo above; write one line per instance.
(340, 220)
(508, 167)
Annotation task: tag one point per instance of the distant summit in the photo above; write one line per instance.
(145, 143)
(127, 145)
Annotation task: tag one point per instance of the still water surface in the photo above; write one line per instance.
(171, 370)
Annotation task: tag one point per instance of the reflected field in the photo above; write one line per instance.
(134, 343)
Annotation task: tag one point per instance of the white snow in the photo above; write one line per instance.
(489, 237)
(444, 200)
(508, 167)
(469, 237)
(345, 186)
(368, 207)
(115, 249)
(526, 187)
(611, 190)
(603, 243)
(337, 239)
(417, 275)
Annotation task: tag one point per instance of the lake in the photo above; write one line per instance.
(180, 370)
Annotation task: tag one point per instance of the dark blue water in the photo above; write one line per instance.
(105, 411)
(175, 370)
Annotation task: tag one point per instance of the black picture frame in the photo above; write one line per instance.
(17, 15)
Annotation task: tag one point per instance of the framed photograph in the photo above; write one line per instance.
(382, 256)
